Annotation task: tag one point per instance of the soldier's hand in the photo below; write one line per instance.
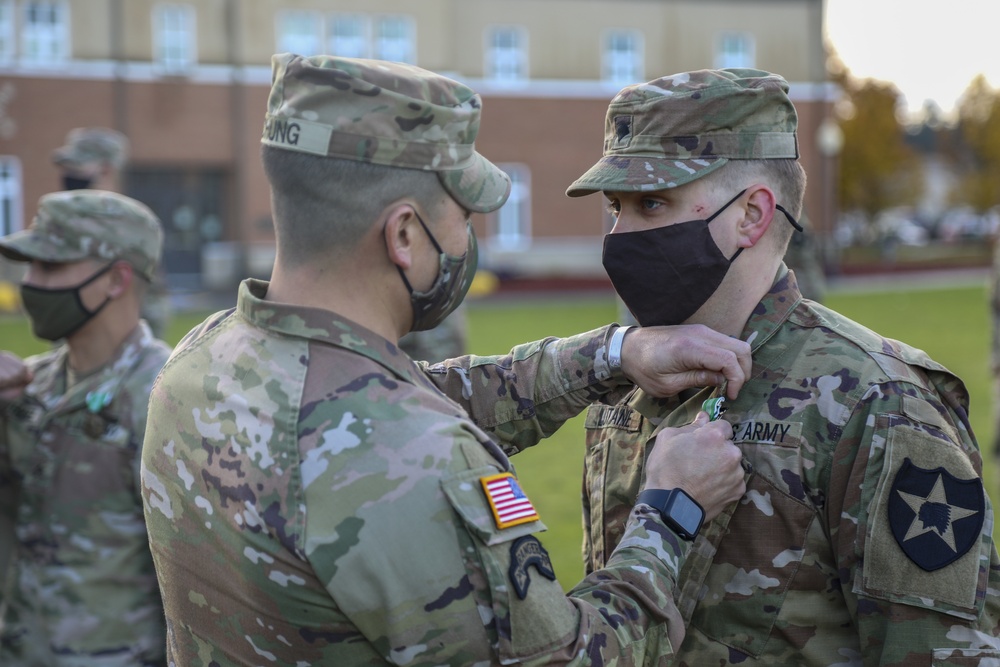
(701, 459)
(664, 361)
(14, 376)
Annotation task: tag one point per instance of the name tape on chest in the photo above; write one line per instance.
(619, 417)
(508, 501)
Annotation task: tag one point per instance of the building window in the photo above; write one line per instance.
(174, 37)
(623, 57)
(394, 39)
(7, 49)
(349, 36)
(506, 54)
(512, 222)
(300, 32)
(10, 195)
(191, 205)
(45, 33)
(735, 49)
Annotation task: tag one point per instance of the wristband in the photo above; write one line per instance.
(615, 347)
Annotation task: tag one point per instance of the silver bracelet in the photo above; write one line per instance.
(615, 347)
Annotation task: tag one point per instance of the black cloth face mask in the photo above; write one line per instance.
(75, 182)
(57, 313)
(664, 275)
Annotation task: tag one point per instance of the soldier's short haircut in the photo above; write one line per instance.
(785, 177)
(323, 206)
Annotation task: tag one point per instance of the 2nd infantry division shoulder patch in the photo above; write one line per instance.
(935, 517)
(509, 504)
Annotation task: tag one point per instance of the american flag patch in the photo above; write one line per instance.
(509, 504)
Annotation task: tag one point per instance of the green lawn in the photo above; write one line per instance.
(952, 325)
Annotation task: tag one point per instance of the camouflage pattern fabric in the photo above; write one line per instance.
(89, 224)
(675, 129)
(445, 341)
(385, 113)
(313, 498)
(85, 145)
(805, 569)
(82, 591)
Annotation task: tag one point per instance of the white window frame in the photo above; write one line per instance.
(289, 36)
(728, 57)
(622, 66)
(355, 46)
(52, 38)
(395, 48)
(510, 226)
(11, 195)
(502, 63)
(175, 48)
(8, 34)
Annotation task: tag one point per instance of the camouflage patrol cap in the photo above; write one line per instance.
(385, 113)
(673, 130)
(92, 144)
(89, 224)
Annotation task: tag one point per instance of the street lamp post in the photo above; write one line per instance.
(829, 141)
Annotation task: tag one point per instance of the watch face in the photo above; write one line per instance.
(686, 513)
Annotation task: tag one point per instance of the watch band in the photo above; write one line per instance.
(615, 347)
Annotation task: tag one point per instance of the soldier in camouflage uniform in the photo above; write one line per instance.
(444, 341)
(92, 157)
(82, 590)
(315, 497)
(995, 348)
(864, 537)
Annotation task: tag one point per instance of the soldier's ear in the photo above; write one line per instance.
(758, 214)
(122, 275)
(400, 232)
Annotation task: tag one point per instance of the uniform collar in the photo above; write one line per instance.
(772, 311)
(323, 326)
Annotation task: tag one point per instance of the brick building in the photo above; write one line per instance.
(187, 82)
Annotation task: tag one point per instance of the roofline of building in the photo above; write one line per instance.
(148, 72)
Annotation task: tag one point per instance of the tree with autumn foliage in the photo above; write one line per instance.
(878, 170)
(978, 146)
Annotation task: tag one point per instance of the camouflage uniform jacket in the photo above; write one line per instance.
(862, 466)
(83, 590)
(313, 498)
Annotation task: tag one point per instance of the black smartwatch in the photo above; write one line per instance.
(679, 511)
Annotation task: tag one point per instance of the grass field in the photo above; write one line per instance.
(952, 325)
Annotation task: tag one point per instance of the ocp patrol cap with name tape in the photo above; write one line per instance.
(385, 113)
(675, 129)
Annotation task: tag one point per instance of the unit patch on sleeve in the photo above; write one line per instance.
(525, 552)
(935, 517)
(509, 504)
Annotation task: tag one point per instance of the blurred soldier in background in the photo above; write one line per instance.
(93, 157)
(445, 341)
(803, 257)
(81, 590)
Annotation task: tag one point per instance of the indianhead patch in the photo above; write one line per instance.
(509, 504)
(525, 552)
(935, 517)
